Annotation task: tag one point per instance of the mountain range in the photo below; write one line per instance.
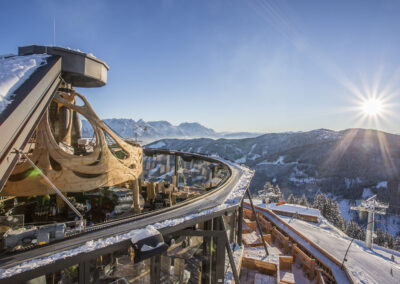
(349, 165)
(154, 130)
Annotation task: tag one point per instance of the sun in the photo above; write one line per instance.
(372, 107)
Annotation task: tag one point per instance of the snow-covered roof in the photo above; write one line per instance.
(365, 265)
(14, 71)
(290, 208)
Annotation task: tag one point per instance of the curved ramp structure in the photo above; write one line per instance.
(47, 102)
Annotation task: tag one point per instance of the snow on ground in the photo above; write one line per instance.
(279, 161)
(291, 208)
(14, 71)
(237, 252)
(157, 145)
(366, 266)
(352, 181)
(310, 180)
(382, 184)
(367, 193)
(241, 160)
(259, 254)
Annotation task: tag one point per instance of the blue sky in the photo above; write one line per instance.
(261, 65)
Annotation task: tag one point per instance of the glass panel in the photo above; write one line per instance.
(119, 267)
(68, 275)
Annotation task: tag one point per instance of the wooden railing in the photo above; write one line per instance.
(307, 262)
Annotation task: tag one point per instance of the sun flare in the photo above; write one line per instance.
(372, 107)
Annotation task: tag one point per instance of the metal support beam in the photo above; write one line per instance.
(258, 223)
(240, 224)
(220, 255)
(84, 272)
(176, 170)
(207, 251)
(230, 254)
(370, 230)
(155, 269)
(57, 191)
(232, 227)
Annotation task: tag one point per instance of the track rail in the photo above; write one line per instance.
(210, 199)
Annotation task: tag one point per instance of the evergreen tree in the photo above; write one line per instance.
(291, 199)
(274, 194)
(389, 240)
(333, 215)
(380, 238)
(353, 230)
(268, 186)
(361, 234)
(320, 203)
(303, 200)
(396, 245)
(328, 214)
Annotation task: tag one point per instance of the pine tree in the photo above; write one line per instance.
(320, 203)
(353, 230)
(380, 238)
(389, 240)
(396, 245)
(291, 199)
(303, 200)
(278, 192)
(268, 186)
(328, 210)
(361, 234)
(274, 194)
(333, 215)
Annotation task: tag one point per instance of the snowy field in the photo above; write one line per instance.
(365, 265)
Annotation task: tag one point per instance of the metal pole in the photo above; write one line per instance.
(176, 170)
(368, 237)
(258, 223)
(59, 193)
(230, 254)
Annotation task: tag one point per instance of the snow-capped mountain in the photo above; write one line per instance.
(153, 130)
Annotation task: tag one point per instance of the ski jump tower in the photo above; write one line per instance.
(372, 206)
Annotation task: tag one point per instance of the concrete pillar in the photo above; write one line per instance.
(174, 181)
(167, 165)
(134, 185)
(179, 269)
(150, 191)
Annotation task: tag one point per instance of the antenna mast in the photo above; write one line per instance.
(54, 31)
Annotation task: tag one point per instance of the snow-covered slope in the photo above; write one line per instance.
(14, 71)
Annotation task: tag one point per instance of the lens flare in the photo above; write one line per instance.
(372, 107)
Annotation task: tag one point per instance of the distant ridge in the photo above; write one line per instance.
(154, 130)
